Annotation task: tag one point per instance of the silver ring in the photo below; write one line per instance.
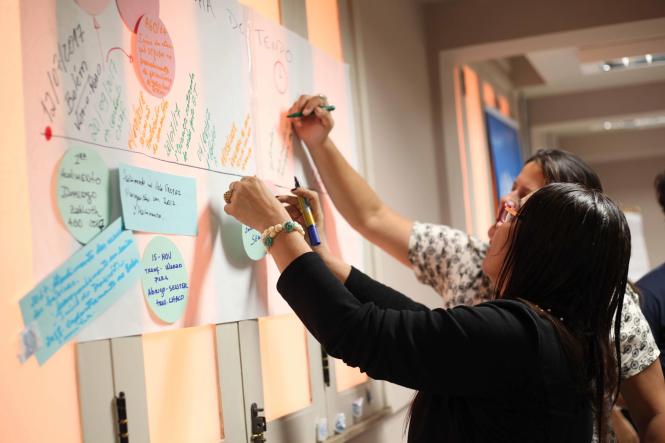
(323, 98)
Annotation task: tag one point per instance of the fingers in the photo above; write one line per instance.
(314, 201)
(299, 104)
(325, 117)
(307, 104)
(311, 196)
(305, 192)
(295, 214)
(289, 199)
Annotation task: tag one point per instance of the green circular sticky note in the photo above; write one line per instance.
(82, 193)
(251, 240)
(165, 280)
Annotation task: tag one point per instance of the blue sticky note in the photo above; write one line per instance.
(80, 289)
(156, 202)
(251, 240)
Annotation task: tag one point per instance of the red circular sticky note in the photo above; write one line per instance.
(153, 56)
(132, 10)
(92, 7)
(48, 133)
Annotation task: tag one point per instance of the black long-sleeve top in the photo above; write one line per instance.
(495, 372)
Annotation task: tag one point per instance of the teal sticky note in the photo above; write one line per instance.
(165, 279)
(80, 289)
(251, 240)
(82, 193)
(156, 202)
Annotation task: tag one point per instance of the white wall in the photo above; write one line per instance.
(396, 107)
(396, 121)
(626, 178)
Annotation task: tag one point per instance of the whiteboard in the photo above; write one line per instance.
(235, 75)
(639, 255)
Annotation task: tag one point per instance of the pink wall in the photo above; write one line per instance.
(40, 403)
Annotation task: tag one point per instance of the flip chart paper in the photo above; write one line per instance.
(236, 75)
(81, 289)
(82, 193)
(156, 202)
(165, 280)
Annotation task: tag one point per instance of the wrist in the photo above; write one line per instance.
(273, 219)
(326, 143)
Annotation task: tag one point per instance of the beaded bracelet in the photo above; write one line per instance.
(268, 236)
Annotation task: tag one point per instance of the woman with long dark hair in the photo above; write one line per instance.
(560, 266)
(450, 260)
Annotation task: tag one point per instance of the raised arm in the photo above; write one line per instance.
(358, 203)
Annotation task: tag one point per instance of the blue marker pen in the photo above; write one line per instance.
(309, 219)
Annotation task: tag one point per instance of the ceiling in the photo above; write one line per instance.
(561, 69)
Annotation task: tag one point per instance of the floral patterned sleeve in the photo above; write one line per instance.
(450, 261)
(638, 347)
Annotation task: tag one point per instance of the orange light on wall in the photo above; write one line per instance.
(489, 96)
(284, 365)
(181, 385)
(323, 26)
(267, 8)
(504, 106)
(464, 165)
(348, 377)
(40, 402)
(478, 155)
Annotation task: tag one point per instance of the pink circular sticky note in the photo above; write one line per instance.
(132, 10)
(153, 56)
(92, 7)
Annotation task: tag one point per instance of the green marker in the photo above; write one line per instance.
(299, 114)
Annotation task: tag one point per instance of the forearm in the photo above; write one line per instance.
(287, 247)
(360, 205)
(655, 430)
(644, 394)
(352, 196)
(337, 266)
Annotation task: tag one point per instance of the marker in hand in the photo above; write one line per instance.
(300, 114)
(309, 219)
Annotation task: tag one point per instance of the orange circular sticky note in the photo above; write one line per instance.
(153, 56)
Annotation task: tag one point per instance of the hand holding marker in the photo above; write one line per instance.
(309, 219)
(300, 114)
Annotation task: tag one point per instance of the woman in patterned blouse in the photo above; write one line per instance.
(450, 260)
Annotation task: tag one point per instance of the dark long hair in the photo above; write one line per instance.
(568, 254)
(560, 166)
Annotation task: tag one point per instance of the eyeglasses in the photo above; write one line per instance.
(509, 211)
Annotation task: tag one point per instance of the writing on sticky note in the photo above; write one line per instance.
(83, 287)
(156, 202)
(251, 240)
(82, 193)
(165, 280)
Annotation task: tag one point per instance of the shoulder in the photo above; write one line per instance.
(450, 261)
(503, 320)
(637, 345)
(428, 234)
(653, 282)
